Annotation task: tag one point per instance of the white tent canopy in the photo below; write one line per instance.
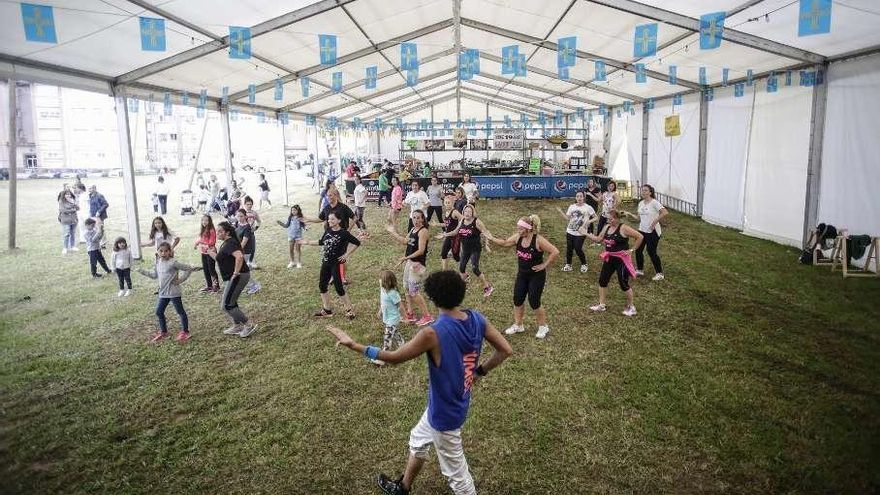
(735, 160)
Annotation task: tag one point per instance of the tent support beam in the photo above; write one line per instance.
(408, 108)
(646, 115)
(128, 176)
(13, 160)
(524, 38)
(507, 106)
(456, 15)
(606, 141)
(214, 46)
(392, 90)
(514, 82)
(814, 162)
(701, 156)
(519, 94)
(226, 143)
(495, 98)
(729, 34)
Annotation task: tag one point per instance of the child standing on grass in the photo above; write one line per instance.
(207, 239)
(120, 260)
(159, 234)
(452, 345)
(253, 219)
(389, 312)
(294, 226)
(245, 234)
(93, 235)
(168, 272)
(339, 244)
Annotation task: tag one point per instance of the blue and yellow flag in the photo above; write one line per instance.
(133, 105)
(224, 95)
(645, 40)
(649, 104)
(711, 30)
(473, 58)
(521, 68)
(509, 59)
(627, 106)
(814, 17)
(311, 120)
(603, 110)
(304, 86)
(252, 93)
(566, 52)
(184, 99)
(371, 75)
(676, 99)
(739, 89)
(333, 122)
(542, 119)
(673, 74)
(336, 82)
(284, 118)
(750, 75)
(641, 75)
(152, 34)
(377, 124)
(447, 124)
(203, 98)
(772, 84)
(412, 77)
(725, 74)
(464, 67)
(788, 78)
(563, 73)
(167, 104)
(39, 23)
(279, 89)
(600, 70)
(703, 79)
(558, 117)
(327, 49)
(239, 42)
(409, 56)
(709, 94)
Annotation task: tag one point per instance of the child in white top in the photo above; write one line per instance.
(120, 260)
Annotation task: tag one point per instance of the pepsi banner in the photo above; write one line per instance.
(503, 186)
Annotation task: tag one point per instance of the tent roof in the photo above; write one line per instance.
(99, 47)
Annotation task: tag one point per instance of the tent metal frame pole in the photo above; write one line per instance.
(408, 108)
(814, 162)
(456, 18)
(394, 89)
(646, 116)
(226, 142)
(433, 159)
(552, 94)
(123, 131)
(495, 98)
(606, 142)
(518, 94)
(488, 130)
(13, 161)
(701, 157)
(507, 106)
(284, 162)
(728, 34)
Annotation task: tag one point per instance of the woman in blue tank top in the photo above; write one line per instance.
(452, 346)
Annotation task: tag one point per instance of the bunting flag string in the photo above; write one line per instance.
(371, 75)
(311, 120)
(39, 23)
(566, 52)
(788, 78)
(279, 90)
(677, 99)
(224, 95)
(327, 49)
(772, 84)
(645, 41)
(509, 59)
(333, 123)
(409, 58)
(377, 124)
(725, 73)
(239, 42)
(627, 106)
(603, 110)
(711, 30)
(521, 68)
(252, 93)
(336, 82)
(152, 34)
(304, 86)
(739, 90)
(814, 17)
(673, 74)
(641, 75)
(600, 70)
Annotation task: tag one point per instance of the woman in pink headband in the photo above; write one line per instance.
(617, 258)
(532, 273)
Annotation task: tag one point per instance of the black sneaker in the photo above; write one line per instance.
(391, 487)
(323, 313)
(96, 275)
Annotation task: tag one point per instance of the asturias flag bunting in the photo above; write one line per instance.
(711, 30)
(327, 49)
(600, 70)
(566, 52)
(239, 42)
(645, 41)
(673, 74)
(409, 56)
(39, 23)
(509, 59)
(641, 75)
(371, 74)
(814, 17)
(336, 82)
(152, 34)
(304, 86)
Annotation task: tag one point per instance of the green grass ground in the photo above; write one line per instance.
(742, 373)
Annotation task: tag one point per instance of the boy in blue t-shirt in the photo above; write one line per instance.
(452, 347)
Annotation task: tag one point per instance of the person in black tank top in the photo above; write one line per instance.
(450, 222)
(532, 271)
(469, 232)
(617, 259)
(414, 269)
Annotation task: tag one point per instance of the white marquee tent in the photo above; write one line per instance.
(768, 163)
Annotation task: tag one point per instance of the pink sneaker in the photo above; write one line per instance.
(409, 318)
(487, 291)
(158, 337)
(426, 320)
(182, 336)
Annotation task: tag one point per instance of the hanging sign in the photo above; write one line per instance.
(672, 126)
(459, 138)
(534, 165)
(509, 139)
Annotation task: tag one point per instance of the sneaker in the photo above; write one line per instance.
(640, 273)
(487, 291)
(409, 318)
(584, 268)
(126, 293)
(290, 265)
(247, 331)
(215, 289)
(630, 311)
(158, 337)
(121, 293)
(323, 313)
(566, 268)
(96, 275)
(377, 362)
(391, 487)
(467, 277)
(233, 330)
(299, 265)
(74, 248)
(64, 251)
(425, 320)
(182, 336)
(512, 329)
(350, 314)
(543, 330)
(254, 288)
(658, 277)
(205, 289)
(597, 308)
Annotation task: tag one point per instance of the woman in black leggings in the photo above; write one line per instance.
(651, 212)
(339, 244)
(451, 217)
(617, 258)
(469, 231)
(532, 272)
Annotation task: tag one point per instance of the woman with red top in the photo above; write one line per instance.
(617, 258)
(207, 239)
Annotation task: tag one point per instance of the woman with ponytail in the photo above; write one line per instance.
(532, 273)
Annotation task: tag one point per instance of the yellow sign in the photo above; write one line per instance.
(672, 126)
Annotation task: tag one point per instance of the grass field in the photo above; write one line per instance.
(742, 373)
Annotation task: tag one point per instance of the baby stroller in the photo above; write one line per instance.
(187, 203)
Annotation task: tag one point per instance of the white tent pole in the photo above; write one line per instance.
(13, 160)
(128, 178)
(645, 130)
(226, 142)
(701, 157)
(456, 18)
(433, 160)
(814, 163)
(284, 162)
(609, 124)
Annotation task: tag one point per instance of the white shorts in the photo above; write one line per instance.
(264, 195)
(450, 454)
(413, 276)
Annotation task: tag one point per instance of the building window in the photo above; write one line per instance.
(30, 160)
